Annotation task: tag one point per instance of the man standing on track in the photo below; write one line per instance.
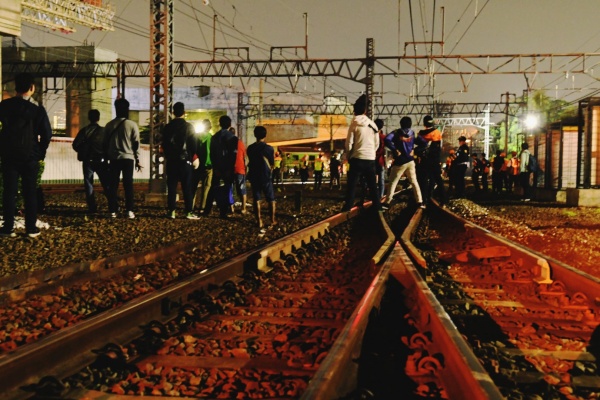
(123, 143)
(431, 161)
(223, 152)
(513, 172)
(460, 166)
(89, 145)
(524, 174)
(204, 172)
(179, 146)
(278, 170)
(361, 147)
(260, 163)
(22, 117)
(240, 172)
(334, 171)
(401, 142)
(380, 161)
(318, 171)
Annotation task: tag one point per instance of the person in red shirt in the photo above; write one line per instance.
(240, 172)
(380, 161)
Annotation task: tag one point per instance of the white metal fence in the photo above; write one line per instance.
(62, 165)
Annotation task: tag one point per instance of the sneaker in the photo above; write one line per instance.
(7, 232)
(113, 215)
(171, 214)
(190, 215)
(421, 205)
(33, 233)
(130, 215)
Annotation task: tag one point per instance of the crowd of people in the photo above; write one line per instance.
(211, 165)
(417, 156)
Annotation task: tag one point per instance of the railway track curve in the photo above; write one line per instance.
(40, 367)
(489, 319)
(526, 324)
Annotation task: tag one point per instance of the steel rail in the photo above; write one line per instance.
(462, 374)
(66, 351)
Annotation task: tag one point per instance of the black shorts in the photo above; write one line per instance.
(265, 188)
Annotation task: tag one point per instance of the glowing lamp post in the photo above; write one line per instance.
(531, 122)
(199, 127)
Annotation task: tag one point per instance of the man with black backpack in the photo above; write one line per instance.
(24, 139)
(89, 145)
(179, 146)
(223, 153)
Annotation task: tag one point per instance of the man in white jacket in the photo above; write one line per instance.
(361, 145)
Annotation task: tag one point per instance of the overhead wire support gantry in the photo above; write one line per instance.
(352, 69)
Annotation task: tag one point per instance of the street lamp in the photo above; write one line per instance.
(531, 121)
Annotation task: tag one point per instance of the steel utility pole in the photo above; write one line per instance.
(507, 101)
(161, 84)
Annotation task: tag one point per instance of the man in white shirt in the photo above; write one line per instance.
(361, 147)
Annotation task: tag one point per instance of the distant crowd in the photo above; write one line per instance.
(417, 156)
(210, 166)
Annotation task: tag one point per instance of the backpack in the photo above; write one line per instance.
(16, 140)
(532, 164)
(84, 146)
(173, 149)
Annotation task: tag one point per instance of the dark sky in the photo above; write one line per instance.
(339, 28)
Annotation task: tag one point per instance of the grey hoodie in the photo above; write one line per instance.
(363, 138)
(123, 139)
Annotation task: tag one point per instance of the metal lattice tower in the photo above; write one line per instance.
(161, 83)
(368, 80)
(62, 14)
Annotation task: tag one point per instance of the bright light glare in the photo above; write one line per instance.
(199, 127)
(531, 121)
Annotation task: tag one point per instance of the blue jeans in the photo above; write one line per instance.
(380, 180)
(28, 171)
(116, 167)
(101, 169)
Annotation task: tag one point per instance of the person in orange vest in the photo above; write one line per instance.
(277, 170)
(431, 162)
(513, 171)
(504, 171)
(318, 172)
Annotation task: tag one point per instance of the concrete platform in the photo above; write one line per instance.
(583, 197)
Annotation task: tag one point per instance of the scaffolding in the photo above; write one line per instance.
(63, 14)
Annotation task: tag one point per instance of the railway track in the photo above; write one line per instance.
(525, 324)
(229, 318)
(486, 319)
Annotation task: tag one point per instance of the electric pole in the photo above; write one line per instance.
(507, 100)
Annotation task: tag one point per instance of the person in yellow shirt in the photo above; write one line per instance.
(277, 170)
(318, 172)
